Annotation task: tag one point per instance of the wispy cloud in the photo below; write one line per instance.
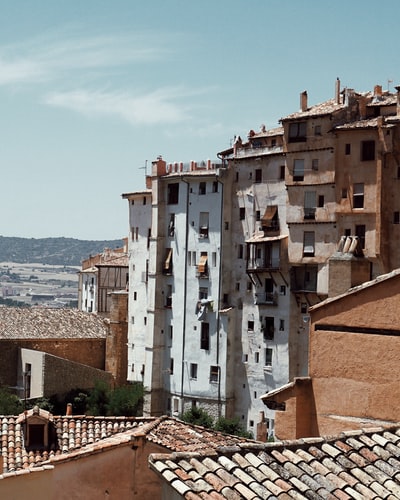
(51, 57)
(155, 107)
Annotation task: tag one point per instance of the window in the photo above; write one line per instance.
(171, 366)
(315, 164)
(308, 244)
(193, 371)
(134, 295)
(168, 261)
(173, 193)
(202, 188)
(358, 195)
(202, 268)
(297, 132)
(344, 193)
(214, 259)
(269, 328)
(282, 172)
(214, 373)
(205, 336)
(309, 204)
(367, 150)
(396, 217)
(170, 331)
(282, 290)
(298, 170)
(258, 215)
(256, 357)
(250, 326)
(281, 325)
(27, 379)
(360, 232)
(240, 252)
(242, 213)
(203, 293)
(269, 290)
(168, 299)
(258, 179)
(268, 356)
(347, 149)
(321, 200)
(238, 286)
(203, 229)
(144, 200)
(215, 187)
(171, 225)
(317, 130)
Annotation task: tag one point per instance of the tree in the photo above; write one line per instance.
(126, 400)
(98, 398)
(232, 426)
(10, 404)
(198, 416)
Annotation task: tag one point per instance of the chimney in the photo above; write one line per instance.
(378, 91)
(398, 101)
(303, 101)
(337, 91)
(69, 410)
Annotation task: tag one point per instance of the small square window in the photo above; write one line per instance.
(193, 371)
(214, 373)
(347, 149)
(250, 326)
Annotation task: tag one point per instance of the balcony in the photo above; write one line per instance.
(261, 265)
(266, 298)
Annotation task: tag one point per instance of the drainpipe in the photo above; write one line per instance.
(219, 294)
(185, 293)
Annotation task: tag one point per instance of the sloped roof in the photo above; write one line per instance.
(358, 464)
(47, 323)
(323, 108)
(82, 435)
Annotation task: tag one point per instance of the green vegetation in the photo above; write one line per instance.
(101, 400)
(198, 416)
(10, 404)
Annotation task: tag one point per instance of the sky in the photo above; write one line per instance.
(92, 91)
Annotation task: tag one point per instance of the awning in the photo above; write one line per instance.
(202, 267)
(260, 238)
(269, 215)
(167, 263)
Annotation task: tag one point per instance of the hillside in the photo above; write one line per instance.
(55, 251)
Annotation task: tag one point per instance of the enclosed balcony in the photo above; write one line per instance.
(263, 253)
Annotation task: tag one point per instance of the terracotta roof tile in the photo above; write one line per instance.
(45, 323)
(357, 465)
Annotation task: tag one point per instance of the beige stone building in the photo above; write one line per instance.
(353, 379)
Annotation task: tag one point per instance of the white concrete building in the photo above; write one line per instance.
(177, 337)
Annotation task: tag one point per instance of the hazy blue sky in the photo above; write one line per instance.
(91, 89)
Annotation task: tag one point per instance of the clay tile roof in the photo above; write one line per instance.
(74, 436)
(324, 108)
(358, 464)
(38, 323)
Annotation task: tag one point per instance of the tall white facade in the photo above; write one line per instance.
(177, 342)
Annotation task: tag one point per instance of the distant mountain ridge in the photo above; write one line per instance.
(55, 251)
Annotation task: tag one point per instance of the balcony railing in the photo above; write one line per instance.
(268, 298)
(255, 265)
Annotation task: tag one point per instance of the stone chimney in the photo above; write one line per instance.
(69, 409)
(159, 167)
(303, 101)
(337, 91)
(116, 343)
(347, 267)
(398, 101)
